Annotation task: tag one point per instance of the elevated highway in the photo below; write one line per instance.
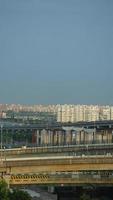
(16, 135)
(57, 125)
(84, 149)
(58, 170)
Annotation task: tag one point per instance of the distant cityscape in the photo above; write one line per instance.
(59, 113)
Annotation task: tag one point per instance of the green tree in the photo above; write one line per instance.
(19, 195)
(15, 194)
(84, 197)
(4, 191)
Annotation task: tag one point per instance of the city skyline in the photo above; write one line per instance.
(59, 113)
(56, 52)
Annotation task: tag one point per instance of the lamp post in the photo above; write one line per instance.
(1, 140)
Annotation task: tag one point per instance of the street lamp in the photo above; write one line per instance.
(1, 140)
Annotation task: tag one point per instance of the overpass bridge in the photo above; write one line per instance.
(56, 125)
(16, 134)
(64, 150)
(58, 170)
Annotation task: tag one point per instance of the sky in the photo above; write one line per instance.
(56, 51)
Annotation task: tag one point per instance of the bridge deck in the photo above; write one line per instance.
(56, 170)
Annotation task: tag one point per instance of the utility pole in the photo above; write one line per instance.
(1, 140)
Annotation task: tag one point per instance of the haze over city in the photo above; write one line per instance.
(56, 51)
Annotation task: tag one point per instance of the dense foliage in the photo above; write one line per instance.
(19, 195)
(84, 197)
(4, 191)
(7, 194)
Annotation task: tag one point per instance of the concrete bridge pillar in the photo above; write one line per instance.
(66, 193)
(38, 136)
(66, 196)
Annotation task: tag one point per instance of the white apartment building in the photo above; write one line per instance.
(111, 114)
(76, 113)
(105, 113)
(79, 113)
(92, 113)
(66, 113)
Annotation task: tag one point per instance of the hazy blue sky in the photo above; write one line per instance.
(56, 51)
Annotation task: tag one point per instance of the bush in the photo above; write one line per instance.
(6, 194)
(85, 197)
